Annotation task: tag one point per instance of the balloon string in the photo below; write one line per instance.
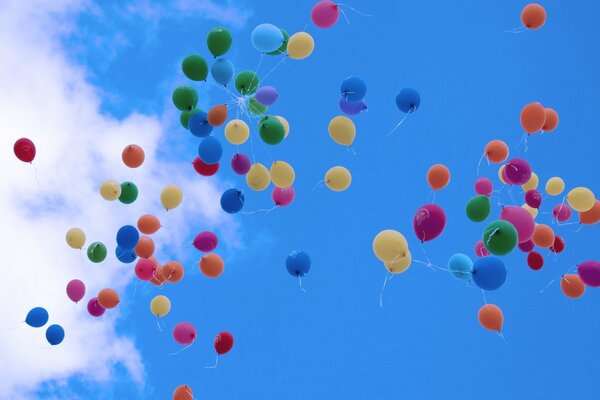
(355, 10)
(35, 171)
(345, 16)
(274, 68)
(479, 164)
(519, 29)
(215, 364)
(225, 89)
(490, 238)
(399, 123)
(578, 229)
(158, 324)
(430, 265)
(300, 282)
(319, 184)
(177, 352)
(433, 199)
(554, 280)
(510, 194)
(385, 281)
(483, 295)
(502, 336)
(265, 210)
(137, 283)
(262, 57)
(350, 148)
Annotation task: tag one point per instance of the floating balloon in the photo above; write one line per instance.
(517, 171)
(185, 98)
(145, 247)
(129, 192)
(195, 67)
(126, 256)
(75, 290)
(184, 333)
(75, 238)
(543, 236)
(171, 197)
(285, 123)
(532, 183)
(183, 392)
(581, 199)
(258, 178)
(266, 38)
(108, 298)
(37, 317)
(256, 108)
(496, 151)
(501, 174)
(55, 334)
(282, 174)
(160, 306)
(589, 272)
(533, 198)
(206, 241)
(300, 46)
(532, 211)
(247, 82)
(572, 286)
(527, 246)
(399, 265)
(219, 41)
(562, 212)
(159, 278)
(212, 265)
(352, 107)
(240, 164)
(592, 216)
(353, 88)
(24, 150)
(127, 237)
(199, 125)
(271, 129)
(390, 245)
(185, 116)
(480, 249)
(551, 120)
(500, 237)
(535, 261)
(217, 115)
(94, 308)
(110, 190)
(298, 263)
(483, 186)
(408, 100)
(521, 220)
(478, 208)
(283, 196)
(222, 71)
(145, 269)
(148, 224)
(325, 14)
(438, 176)
(237, 131)
(223, 343)
(490, 317)
(266, 95)
(533, 117)
(283, 48)
(429, 222)
(96, 252)
(342, 130)
(133, 156)
(555, 186)
(338, 179)
(489, 273)
(533, 16)
(461, 267)
(203, 168)
(558, 246)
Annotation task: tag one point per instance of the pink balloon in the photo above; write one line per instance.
(184, 333)
(145, 269)
(517, 171)
(429, 222)
(589, 272)
(483, 186)
(521, 219)
(562, 212)
(526, 246)
(94, 308)
(325, 14)
(480, 249)
(283, 196)
(206, 241)
(75, 290)
(240, 164)
(533, 198)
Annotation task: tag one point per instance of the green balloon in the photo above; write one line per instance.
(283, 48)
(271, 130)
(500, 237)
(96, 252)
(247, 82)
(185, 98)
(256, 108)
(219, 41)
(129, 192)
(185, 116)
(195, 67)
(478, 208)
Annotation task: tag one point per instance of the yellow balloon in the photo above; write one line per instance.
(75, 238)
(300, 46)
(338, 179)
(342, 130)
(532, 183)
(258, 178)
(282, 174)
(237, 131)
(532, 211)
(390, 246)
(171, 197)
(285, 123)
(400, 265)
(581, 199)
(160, 305)
(500, 174)
(110, 190)
(555, 186)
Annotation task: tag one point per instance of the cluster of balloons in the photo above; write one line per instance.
(37, 317)
(353, 91)
(536, 118)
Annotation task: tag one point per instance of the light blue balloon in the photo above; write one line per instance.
(55, 334)
(461, 266)
(267, 38)
(408, 100)
(198, 124)
(489, 273)
(298, 263)
(210, 150)
(222, 71)
(353, 89)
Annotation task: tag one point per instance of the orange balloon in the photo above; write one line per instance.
(551, 120)
(144, 247)
(133, 156)
(159, 277)
(496, 151)
(572, 286)
(108, 298)
(183, 392)
(211, 265)
(148, 224)
(438, 176)
(217, 115)
(533, 117)
(543, 236)
(173, 271)
(491, 317)
(591, 216)
(533, 16)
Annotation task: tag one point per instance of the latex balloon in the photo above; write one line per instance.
(283, 196)
(217, 115)
(390, 245)
(110, 190)
(483, 186)
(352, 107)
(133, 156)
(223, 343)
(533, 16)
(298, 263)
(521, 220)
(266, 95)
(126, 256)
(258, 178)
(145, 269)
(408, 100)
(338, 179)
(342, 130)
(160, 306)
(551, 120)
(219, 41)
(237, 131)
(558, 246)
(266, 38)
(591, 216)
(438, 176)
(212, 265)
(543, 236)
(247, 82)
(589, 272)
(480, 249)
(75, 238)
(183, 392)
(158, 277)
(171, 197)
(353, 88)
(283, 48)
(37, 317)
(300, 46)
(527, 246)
(145, 247)
(399, 265)
(429, 222)
(24, 150)
(325, 14)
(461, 267)
(581, 199)
(282, 174)
(489, 273)
(206, 241)
(185, 116)
(148, 224)
(222, 71)
(496, 151)
(501, 174)
(108, 298)
(533, 198)
(127, 237)
(129, 193)
(572, 286)
(271, 129)
(532, 211)
(535, 261)
(185, 98)
(285, 123)
(562, 212)
(210, 150)
(555, 186)
(173, 271)
(478, 208)
(203, 168)
(490, 317)
(195, 67)
(55, 334)
(199, 125)
(533, 117)
(532, 183)
(184, 333)
(240, 164)
(256, 108)
(94, 308)
(232, 201)
(500, 237)
(75, 290)
(517, 171)
(96, 252)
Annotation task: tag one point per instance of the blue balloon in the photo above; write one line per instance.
(298, 263)
(126, 256)
(127, 237)
(267, 38)
(210, 150)
(37, 317)
(232, 201)
(222, 71)
(198, 124)
(408, 100)
(489, 273)
(352, 107)
(461, 266)
(55, 334)
(353, 89)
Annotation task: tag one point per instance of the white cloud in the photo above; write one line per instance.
(45, 97)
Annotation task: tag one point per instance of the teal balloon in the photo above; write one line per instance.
(129, 193)
(500, 237)
(195, 67)
(185, 98)
(283, 48)
(96, 252)
(185, 116)
(247, 82)
(256, 108)
(222, 71)
(55, 334)
(460, 266)
(478, 208)
(266, 38)
(37, 317)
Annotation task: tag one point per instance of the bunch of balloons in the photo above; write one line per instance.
(37, 317)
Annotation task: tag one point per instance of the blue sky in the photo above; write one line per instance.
(335, 341)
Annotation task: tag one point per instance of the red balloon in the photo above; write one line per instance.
(526, 246)
(533, 198)
(559, 245)
(205, 169)
(24, 150)
(562, 212)
(429, 222)
(223, 342)
(535, 260)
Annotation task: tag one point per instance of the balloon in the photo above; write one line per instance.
(206, 241)
(543, 236)
(222, 71)
(300, 46)
(145, 247)
(521, 220)
(171, 197)
(532, 183)
(271, 129)
(533, 16)
(572, 286)
(158, 278)
(429, 222)
(148, 224)
(285, 123)
(55, 334)
(581, 199)
(256, 108)
(145, 269)
(532, 211)
(527, 246)
(555, 186)
(353, 89)
(185, 98)
(210, 150)
(173, 271)
(217, 115)
(199, 125)
(266, 38)
(500, 237)
(96, 252)
(240, 164)
(126, 256)
(282, 174)
(184, 333)
(558, 246)
(535, 261)
(203, 168)
(75, 290)
(237, 131)
(460, 266)
(223, 343)
(160, 306)
(480, 249)
(408, 100)
(258, 178)
(133, 156)
(325, 14)
(211, 265)
(195, 67)
(110, 190)
(282, 196)
(352, 107)
(533, 117)
(108, 298)
(266, 95)
(342, 130)
(247, 82)
(517, 171)
(399, 265)
(219, 41)
(484, 186)
(338, 179)
(298, 263)
(533, 198)
(438, 176)
(501, 174)
(127, 237)
(283, 48)
(75, 238)
(94, 308)
(551, 120)
(489, 273)
(185, 116)
(24, 150)
(232, 201)
(478, 208)
(562, 212)
(496, 151)
(183, 392)
(589, 272)
(592, 216)
(490, 317)
(129, 193)
(37, 317)
(390, 245)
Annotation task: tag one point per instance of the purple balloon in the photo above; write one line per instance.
(94, 308)
(352, 107)
(483, 186)
(429, 222)
(206, 241)
(533, 198)
(184, 333)
(480, 249)
(526, 246)
(283, 196)
(522, 221)
(589, 272)
(266, 95)
(75, 290)
(240, 163)
(562, 212)
(517, 171)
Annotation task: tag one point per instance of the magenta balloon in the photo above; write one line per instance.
(589, 272)
(206, 241)
(352, 107)
(283, 196)
(518, 171)
(533, 198)
(480, 249)
(526, 246)
(521, 219)
(145, 269)
(184, 333)
(562, 212)
(240, 164)
(484, 187)
(75, 290)
(94, 308)
(266, 95)
(325, 14)
(429, 222)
